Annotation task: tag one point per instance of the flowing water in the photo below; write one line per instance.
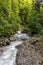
(8, 57)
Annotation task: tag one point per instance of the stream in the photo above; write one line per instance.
(8, 57)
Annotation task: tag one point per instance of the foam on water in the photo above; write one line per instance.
(9, 55)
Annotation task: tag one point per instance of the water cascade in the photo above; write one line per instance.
(8, 57)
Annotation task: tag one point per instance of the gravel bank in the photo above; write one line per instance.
(30, 54)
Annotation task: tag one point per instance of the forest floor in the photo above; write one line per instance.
(30, 54)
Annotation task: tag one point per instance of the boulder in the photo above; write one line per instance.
(1, 43)
(34, 42)
(12, 38)
(4, 42)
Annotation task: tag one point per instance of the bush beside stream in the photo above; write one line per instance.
(27, 13)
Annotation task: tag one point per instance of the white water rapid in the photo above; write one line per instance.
(8, 56)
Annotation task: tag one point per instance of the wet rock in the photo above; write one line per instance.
(4, 42)
(1, 43)
(34, 42)
(12, 38)
(23, 38)
(1, 51)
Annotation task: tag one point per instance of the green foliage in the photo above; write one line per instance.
(28, 13)
(9, 19)
(33, 19)
(36, 5)
(41, 15)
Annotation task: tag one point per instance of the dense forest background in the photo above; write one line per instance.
(27, 13)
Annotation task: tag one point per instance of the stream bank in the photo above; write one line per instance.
(30, 54)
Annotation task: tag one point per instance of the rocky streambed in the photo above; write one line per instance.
(8, 48)
(30, 52)
(21, 49)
